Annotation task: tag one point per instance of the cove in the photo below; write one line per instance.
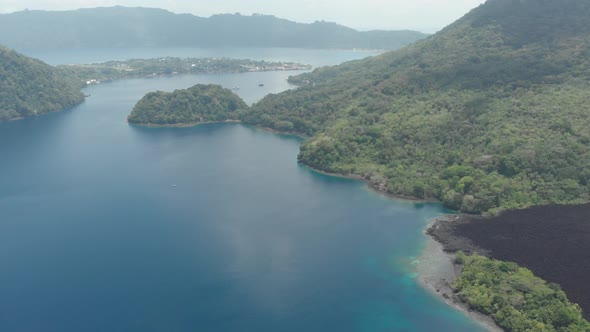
(111, 227)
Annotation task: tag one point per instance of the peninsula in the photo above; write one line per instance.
(141, 68)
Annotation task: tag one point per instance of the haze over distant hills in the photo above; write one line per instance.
(146, 27)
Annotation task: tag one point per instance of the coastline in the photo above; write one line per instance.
(549, 240)
(437, 272)
(195, 124)
(377, 186)
(45, 113)
(373, 186)
(436, 269)
(145, 77)
(181, 125)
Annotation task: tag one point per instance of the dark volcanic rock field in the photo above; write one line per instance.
(552, 241)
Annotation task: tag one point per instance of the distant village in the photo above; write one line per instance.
(277, 67)
(92, 74)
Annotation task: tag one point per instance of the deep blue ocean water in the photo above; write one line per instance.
(110, 227)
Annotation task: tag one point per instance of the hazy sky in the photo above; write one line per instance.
(423, 15)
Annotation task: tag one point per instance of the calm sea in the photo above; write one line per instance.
(110, 227)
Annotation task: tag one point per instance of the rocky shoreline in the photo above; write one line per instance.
(443, 231)
(435, 268)
(437, 272)
(551, 241)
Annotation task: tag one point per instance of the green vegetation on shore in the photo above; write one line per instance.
(516, 299)
(198, 104)
(29, 87)
(140, 68)
(489, 114)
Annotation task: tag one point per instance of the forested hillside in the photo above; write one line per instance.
(490, 113)
(200, 103)
(30, 87)
(145, 27)
(515, 298)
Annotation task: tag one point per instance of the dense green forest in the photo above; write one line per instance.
(145, 27)
(139, 68)
(516, 299)
(200, 103)
(491, 113)
(30, 87)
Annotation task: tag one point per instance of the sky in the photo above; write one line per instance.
(422, 15)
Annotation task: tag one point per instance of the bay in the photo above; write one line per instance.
(110, 227)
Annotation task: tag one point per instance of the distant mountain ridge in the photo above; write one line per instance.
(147, 27)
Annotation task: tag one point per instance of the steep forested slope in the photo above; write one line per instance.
(30, 87)
(490, 113)
(146, 27)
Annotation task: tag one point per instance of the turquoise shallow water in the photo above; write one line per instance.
(95, 237)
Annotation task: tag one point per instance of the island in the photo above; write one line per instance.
(97, 73)
(187, 107)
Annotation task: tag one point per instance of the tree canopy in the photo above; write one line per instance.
(200, 103)
(516, 299)
(30, 87)
(491, 113)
